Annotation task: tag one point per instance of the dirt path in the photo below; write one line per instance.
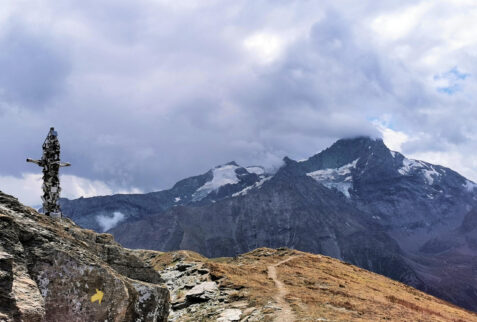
(286, 314)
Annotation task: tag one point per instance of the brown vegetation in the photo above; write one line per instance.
(321, 287)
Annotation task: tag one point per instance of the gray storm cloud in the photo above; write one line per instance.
(34, 68)
(145, 93)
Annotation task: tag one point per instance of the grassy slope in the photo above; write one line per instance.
(319, 287)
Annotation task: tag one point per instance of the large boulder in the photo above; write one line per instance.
(50, 269)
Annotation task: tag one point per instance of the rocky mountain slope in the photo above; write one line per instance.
(289, 285)
(50, 269)
(356, 201)
(103, 212)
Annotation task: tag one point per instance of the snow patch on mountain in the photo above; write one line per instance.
(342, 187)
(257, 184)
(430, 174)
(222, 175)
(470, 186)
(409, 166)
(257, 170)
(428, 171)
(340, 178)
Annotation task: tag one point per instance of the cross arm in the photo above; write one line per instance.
(62, 164)
(38, 162)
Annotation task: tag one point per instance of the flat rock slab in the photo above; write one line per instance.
(202, 292)
(230, 315)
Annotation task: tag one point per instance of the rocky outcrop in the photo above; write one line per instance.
(198, 295)
(51, 268)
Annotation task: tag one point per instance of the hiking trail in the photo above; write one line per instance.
(286, 314)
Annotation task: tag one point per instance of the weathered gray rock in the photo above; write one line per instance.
(230, 315)
(202, 292)
(50, 269)
(195, 297)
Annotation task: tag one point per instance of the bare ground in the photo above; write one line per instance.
(286, 314)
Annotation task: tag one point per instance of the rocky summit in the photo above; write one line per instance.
(356, 201)
(53, 270)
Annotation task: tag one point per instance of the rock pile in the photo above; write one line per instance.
(197, 295)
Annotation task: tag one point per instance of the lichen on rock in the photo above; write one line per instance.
(50, 268)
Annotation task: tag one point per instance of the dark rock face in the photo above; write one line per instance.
(298, 213)
(356, 201)
(7, 302)
(50, 268)
(469, 224)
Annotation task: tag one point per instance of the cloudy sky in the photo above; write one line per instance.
(147, 92)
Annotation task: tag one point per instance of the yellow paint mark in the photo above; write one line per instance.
(97, 297)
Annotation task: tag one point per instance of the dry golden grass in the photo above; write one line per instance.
(323, 287)
(160, 260)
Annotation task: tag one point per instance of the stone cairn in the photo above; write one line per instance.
(50, 162)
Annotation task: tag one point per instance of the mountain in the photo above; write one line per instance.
(288, 285)
(356, 201)
(51, 268)
(101, 213)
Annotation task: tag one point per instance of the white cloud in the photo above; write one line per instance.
(75, 187)
(28, 187)
(108, 222)
(393, 139)
(398, 24)
(265, 46)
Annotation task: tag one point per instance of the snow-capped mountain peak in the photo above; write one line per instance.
(221, 176)
(230, 179)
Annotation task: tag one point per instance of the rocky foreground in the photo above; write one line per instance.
(289, 285)
(50, 269)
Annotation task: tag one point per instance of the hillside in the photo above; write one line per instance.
(289, 285)
(50, 269)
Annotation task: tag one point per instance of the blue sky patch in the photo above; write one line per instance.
(451, 80)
